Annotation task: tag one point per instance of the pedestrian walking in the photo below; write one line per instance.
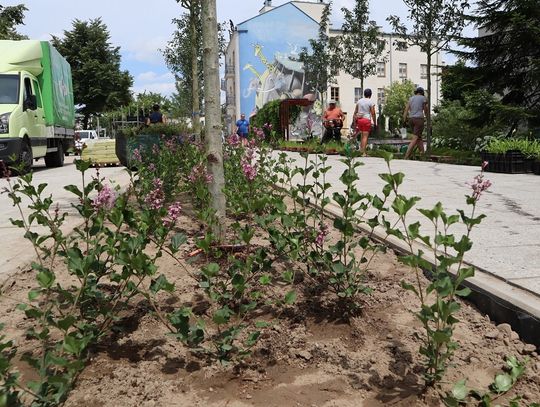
(364, 117)
(242, 128)
(416, 111)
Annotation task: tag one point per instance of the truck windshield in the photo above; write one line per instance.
(9, 89)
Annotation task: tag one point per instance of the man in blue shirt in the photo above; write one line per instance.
(242, 128)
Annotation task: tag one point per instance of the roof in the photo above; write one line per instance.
(283, 5)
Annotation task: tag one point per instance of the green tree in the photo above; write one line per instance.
(396, 97)
(98, 82)
(360, 43)
(507, 54)
(435, 24)
(183, 56)
(321, 63)
(458, 80)
(11, 16)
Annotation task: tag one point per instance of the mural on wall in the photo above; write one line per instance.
(282, 79)
(269, 48)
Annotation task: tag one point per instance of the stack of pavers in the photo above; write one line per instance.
(101, 153)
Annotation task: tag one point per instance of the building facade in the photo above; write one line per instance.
(261, 62)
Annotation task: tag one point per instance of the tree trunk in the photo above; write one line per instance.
(214, 145)
(428, 118)
(195, 115)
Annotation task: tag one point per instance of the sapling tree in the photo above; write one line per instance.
(183, 55)
(360, 43)
(321, 63)
(214, 146)
(434, 24)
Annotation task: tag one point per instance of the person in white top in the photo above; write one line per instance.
(364, 116)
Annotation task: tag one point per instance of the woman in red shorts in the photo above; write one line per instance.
(364, 115)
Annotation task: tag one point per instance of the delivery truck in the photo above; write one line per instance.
(37, 112)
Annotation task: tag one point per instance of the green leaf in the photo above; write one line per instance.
(460, 390)
(178, 240)
(262, 324)
(290, 297)
(161, 284)
(45, 278)
(265, 279)
(222, 316)
(503, 383)
(72, 345)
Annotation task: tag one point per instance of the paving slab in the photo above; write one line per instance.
(16, 252)
(506, 244)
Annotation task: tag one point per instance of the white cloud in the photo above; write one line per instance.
(164, 88)
(152, 76)
(147, 51)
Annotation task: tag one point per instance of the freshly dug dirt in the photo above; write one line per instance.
(312, 356)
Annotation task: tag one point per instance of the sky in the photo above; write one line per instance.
(142, 28)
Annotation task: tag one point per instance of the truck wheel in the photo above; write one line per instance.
(26, 159)
(56, 158)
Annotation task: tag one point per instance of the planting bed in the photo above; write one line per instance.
(312, 355)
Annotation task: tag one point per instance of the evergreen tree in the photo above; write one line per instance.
(435, 24)
(98, 82)
(11, 16)
(507, 54)
(360, 43)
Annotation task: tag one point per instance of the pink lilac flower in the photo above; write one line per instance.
(105, 199)
(249, 168)
(152, 167)
(172, 214)
(259, 133)
(321, 235)
(156, 197)
(200, 173)
(155, 149)
(137, 155)
(479, 184)
(170, 145)
(234, 140)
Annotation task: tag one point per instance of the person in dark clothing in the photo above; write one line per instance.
(156, 116)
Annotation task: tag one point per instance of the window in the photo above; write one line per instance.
(38, 93)
(381, 69)
(380, 96)
(423, 71)
(357, 94)
(402, 71)
(401, 45)
(334, 93)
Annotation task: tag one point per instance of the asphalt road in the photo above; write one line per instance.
(16, 252)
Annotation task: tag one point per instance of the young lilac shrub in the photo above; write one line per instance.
(110, 259)
(438, 298)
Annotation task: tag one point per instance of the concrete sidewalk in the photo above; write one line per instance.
(507, 242)
(16, 252)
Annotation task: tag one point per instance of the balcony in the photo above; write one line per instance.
(229, 70)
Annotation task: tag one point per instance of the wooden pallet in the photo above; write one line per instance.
(101, 153)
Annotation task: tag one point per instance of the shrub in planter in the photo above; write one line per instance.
(130, 141)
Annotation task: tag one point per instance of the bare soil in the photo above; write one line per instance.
(312, 356)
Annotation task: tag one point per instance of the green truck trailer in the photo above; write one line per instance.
(37, 112)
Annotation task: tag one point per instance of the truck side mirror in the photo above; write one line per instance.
(30, 103)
